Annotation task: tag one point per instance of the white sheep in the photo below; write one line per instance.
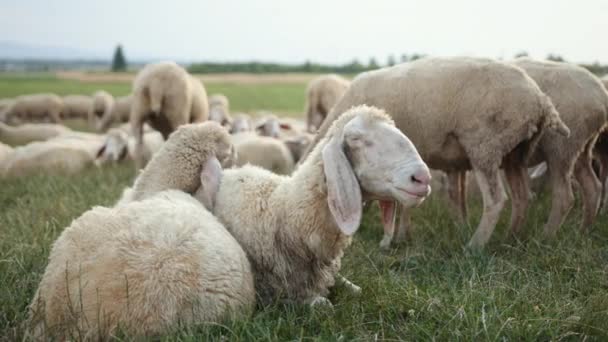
(241, 123)
(26, 133)
(295, 229)
(463, 113)
(154, 261)
(265, 152)
(323, 93)
(102, 101)
(219, 109)
(76, 107)
(119, 112)
(166, 97)
(120, 145)
(34, 108)
(5, 152)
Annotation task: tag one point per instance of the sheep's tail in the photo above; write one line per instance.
(155, 96)
(552, 117)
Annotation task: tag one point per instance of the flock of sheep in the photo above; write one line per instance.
(196, 239)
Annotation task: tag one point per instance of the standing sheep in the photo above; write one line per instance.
(219, 109)
(463, 113)
(166, 97)
(295, 229)
(35, 108)
(76, 107)
(152, 263)
(322, 94)
(27, 133)
(119, 112)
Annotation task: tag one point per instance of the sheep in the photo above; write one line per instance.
(153, 261)
(241, 123)
(323, 93)
(101, 104)
(286, 130)
(119, 112)
(601, 155)
(219, 109)
(463, 113)
(165, 96)
(26, 133)
(4, 105)
(76, 107)
(265, 152)
(5, 152)
(120, 145)
(35, 108)
(295, 228)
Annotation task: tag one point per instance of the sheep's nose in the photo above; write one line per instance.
(422, 177)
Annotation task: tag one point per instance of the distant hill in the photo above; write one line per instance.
(16, 50)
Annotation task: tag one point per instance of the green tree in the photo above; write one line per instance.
(373, 64)
(119, 62)
(555, 58)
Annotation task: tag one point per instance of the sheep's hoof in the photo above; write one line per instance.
(321, 302)
(385, 243)
(353, 289)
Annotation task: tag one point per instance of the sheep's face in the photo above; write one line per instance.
(386, 162)
(114, 149)
(240, 124)
(218, 115)
(269, 128)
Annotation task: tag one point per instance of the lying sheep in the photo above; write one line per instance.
(582, 103)
(153, 263)
(323, 93)
(268, 153)
(119, 112)
(27, 133)
(463, 113)
(219, 109)
(295, 229)
(76, 107)
(165, 96)
(34, 108)
(119, 145)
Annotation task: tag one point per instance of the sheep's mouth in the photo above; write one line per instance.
(415, 194)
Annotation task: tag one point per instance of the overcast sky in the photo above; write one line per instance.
(329, 31)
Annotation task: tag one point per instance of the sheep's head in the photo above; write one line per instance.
(219, 115)
(241, 123)
(114, 148)
(269, 127)
(367, 157)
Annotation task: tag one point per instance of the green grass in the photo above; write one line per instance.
(429, 288)
(284, 99)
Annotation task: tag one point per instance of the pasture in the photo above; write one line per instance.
(429, 288)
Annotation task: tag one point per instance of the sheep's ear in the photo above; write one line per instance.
(343, 192)
(285, 125)
(211, 175)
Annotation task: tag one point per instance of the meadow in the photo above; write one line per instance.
(430, 288)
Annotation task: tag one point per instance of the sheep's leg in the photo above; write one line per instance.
(590, 189)
(352, 288)
(404, 228)
(603, 177)
(494, 198)
(463, 196)
(455, 189)
(517, 178)
(562, 198)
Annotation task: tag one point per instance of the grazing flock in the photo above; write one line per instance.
(229, 210)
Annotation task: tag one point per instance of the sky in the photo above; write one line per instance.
(325, 31)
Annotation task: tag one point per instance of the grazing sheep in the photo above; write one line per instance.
(241, 123)
(166, 97)
(76, 107)
(268, 153)
(463, 113)
(35, 108)
(219, 109)
(102, 101)
(582, 103)
(154, 261)
(323, 93)
(27, 133)
(119, 112)
(120, 145)
(295, 229)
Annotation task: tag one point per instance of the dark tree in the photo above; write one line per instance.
(373, 64)
(404, 58)
(555, 58)
(390, 61)
(521, 54)
(119, 63)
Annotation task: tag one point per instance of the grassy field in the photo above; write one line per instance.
(430, 288)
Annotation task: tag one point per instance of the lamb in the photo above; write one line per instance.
(295, 229)
(265, 152)
(26, 133)
(151, 263)
(219, 109)
(463, 113)
(35, 108)
(119, 112)
(323, 93)
(76, 107)
(165, 96)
